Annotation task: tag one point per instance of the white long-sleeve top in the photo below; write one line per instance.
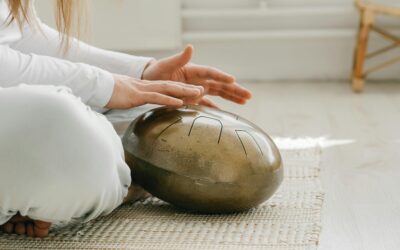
(34, 55)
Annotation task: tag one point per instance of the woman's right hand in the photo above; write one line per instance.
(129, 92)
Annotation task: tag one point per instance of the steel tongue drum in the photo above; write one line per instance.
(202, 159)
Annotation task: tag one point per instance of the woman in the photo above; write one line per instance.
(59, 160)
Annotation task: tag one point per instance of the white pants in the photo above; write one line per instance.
(59, 160)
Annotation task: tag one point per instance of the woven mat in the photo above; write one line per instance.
(289, 220)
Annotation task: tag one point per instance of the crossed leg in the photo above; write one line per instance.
(23, 225)
(69, 156)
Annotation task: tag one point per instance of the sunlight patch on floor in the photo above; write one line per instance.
(303, 143)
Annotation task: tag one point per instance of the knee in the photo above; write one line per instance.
(38, 105)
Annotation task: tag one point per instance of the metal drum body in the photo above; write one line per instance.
(202, 159)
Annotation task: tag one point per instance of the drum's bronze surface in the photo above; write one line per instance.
(202, 159)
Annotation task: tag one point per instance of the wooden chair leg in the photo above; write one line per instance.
(361, 50)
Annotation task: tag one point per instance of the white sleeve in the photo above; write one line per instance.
(46, 41)
(93, 85)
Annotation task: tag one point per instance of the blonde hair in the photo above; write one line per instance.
(68, 17)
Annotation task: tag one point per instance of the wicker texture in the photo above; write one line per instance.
(289, 220)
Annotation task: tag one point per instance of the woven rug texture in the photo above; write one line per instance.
(289, 220)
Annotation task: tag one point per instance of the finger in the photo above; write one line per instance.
(208, 102)
(233, 98)
(157, 98)
(148, 84)
(175, 89)
(228, 95)
(231, 89)
(179, 60)
(199, 73)
(191, 101)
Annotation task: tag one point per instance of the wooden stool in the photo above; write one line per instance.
(368, 13)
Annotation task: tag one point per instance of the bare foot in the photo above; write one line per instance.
(23, 225)
(135, 193)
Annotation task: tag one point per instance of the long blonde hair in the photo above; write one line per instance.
(68, 15)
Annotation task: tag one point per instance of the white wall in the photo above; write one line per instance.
(254, 39)
(278, 39)
(128, 24)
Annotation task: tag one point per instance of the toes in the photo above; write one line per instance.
(8, 228)
(41, 233)
(145, 196)
(20, 228)
(23, 225)
(41, 228)
(29, 229)
(41, 224)
(135, 193)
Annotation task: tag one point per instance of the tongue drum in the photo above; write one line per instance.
(202, 159)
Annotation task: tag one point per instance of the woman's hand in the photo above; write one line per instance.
(214, 81)
(129, 92)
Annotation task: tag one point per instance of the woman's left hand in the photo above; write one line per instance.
(215, 82)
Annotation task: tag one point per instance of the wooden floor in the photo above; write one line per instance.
(361, 161)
